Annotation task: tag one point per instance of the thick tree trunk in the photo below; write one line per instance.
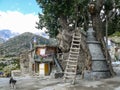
(65, 35)
(65, 38)
(84, 62)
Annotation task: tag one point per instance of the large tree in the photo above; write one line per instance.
(62, 17)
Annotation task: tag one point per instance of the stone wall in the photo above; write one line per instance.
(16, 73)
(24, 63)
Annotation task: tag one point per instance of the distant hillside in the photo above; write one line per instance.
(20, 43)
(2, 40)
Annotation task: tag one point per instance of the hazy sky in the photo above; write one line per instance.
(19, 15)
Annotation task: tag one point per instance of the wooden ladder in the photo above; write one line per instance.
(71, 66)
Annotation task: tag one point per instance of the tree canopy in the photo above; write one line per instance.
(75, 12)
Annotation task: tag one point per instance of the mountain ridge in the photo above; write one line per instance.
(19, 43)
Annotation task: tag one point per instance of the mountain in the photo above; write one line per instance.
(6, 34)
(43, 34)
(20, 43)
(2, 40)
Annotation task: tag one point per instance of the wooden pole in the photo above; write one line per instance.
(106, 37)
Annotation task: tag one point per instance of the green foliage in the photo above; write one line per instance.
(9, 63)
(114, 26)
(117, 33)
(55, 9)
(2, 65)
(108, 4)
(117, 2)
(7, 69)
(71, 10)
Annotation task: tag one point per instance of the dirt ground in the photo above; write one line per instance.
(48, 83)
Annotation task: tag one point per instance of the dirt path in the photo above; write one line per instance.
(57, 84)
(47, 83)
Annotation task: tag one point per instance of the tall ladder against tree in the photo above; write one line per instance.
(71, 66)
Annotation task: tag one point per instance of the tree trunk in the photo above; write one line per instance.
(65, 38)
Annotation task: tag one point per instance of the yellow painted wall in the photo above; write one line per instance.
(44, 69)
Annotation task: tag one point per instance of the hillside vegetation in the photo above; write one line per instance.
(20, 43)
(1, 40)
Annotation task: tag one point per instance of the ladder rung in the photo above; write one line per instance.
(74, 52)
(72, 77)
(72, 65)
(74, 44)
(74, 55)
(69, 73)
(76, 40)
(77, 37)
(75, 48)
(71, 58)
(71, 61)
(76, 34)
(69, 68)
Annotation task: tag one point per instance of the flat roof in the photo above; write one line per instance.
(44, 46)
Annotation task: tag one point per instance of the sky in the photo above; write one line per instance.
(19, 16)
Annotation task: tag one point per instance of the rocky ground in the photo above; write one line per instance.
(48, 83)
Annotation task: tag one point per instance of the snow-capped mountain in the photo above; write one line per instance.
(43, 34)
(6, 34)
